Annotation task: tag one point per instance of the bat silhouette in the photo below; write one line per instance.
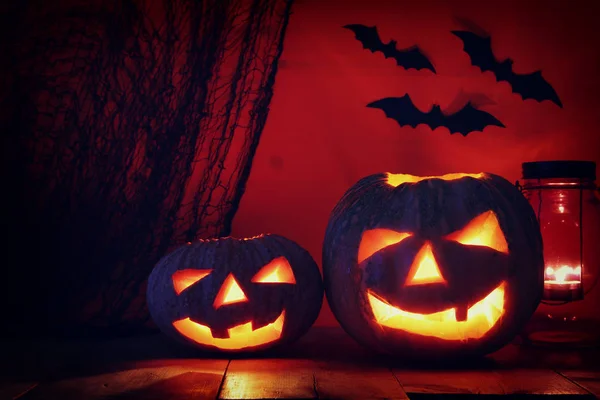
(529, 86)
(466, 120)
(411, 57)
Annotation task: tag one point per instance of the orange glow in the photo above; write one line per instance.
(481, 317)
(483, 230)
(230, 293)
(396, 180)
(240, 336)
(277, 271)
(187, 277)
(376, 239)
(563, 275)
(424, 268)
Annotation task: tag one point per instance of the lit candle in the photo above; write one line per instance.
(562, 282)
(563, 275)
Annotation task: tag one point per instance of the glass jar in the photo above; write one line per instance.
(566, 201)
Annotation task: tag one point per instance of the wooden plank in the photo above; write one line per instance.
(340, 380)
(15, 390)
(494, 382)
(269, 379)
(331, 344)
(164, 379)
(590, 380)
(537, 357)
(300, 378)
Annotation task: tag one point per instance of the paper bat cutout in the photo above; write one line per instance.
(411, 57)
(529, 86)
(466, 120)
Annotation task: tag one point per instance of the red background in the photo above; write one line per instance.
(320, 138)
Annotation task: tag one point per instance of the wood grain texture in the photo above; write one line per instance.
(336, 380)
(325, 363)
(589, 380)
(493, 382)
(182, 379)
(338, 368)
(269, 379)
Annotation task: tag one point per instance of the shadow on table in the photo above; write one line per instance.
(183, 386)
(50, 360)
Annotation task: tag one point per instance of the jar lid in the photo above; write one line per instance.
(559, 169)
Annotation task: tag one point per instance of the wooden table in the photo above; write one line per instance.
(326, 363)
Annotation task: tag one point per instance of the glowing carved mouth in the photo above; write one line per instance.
(481, 317)
(240, 336)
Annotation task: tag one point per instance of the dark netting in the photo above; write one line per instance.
(128, 127)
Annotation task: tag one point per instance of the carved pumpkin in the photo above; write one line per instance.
(433, 266)
(232, 294)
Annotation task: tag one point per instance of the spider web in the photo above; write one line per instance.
(129, 127)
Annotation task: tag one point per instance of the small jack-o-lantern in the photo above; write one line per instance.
(433, 266)
(232, 294)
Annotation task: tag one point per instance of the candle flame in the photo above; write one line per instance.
(563, 274)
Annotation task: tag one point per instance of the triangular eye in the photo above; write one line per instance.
(277, 271)
(424, 269)
(374, 240)
(483, 230)
(185, 278)
(230, 293)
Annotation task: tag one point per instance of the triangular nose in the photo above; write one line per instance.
(424, 268)
(230, 293)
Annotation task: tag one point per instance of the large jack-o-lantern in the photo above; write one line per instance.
(236, 294)
(433, 266)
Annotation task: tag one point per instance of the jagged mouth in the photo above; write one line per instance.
(240, 337)
(481, 317)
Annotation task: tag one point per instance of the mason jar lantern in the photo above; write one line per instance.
(566, 201)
